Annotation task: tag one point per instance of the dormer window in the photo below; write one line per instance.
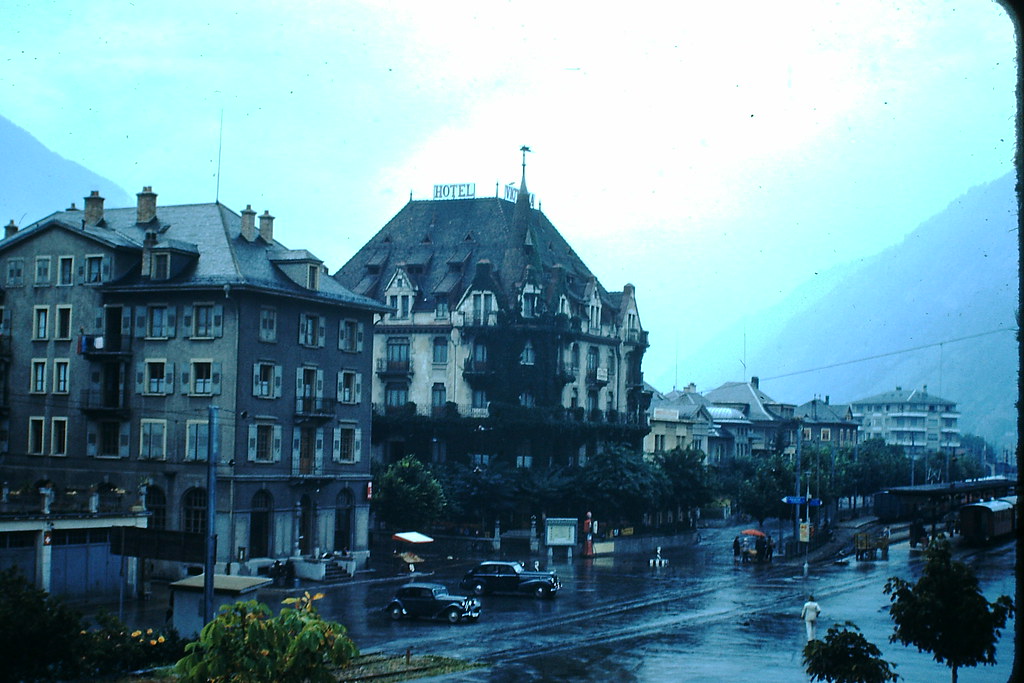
(161, 266)
(401, 303)
(313, 277)
(531, 298)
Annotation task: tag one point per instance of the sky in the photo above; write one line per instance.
(715, 155)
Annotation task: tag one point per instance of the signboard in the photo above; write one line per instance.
(794, 500)
(158, 544)
(805, 532)
(814, 502)
(560, 531)
(512, 194)
(455, 191)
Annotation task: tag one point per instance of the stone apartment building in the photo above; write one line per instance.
(122, 327)
(500, 344)
(914, 419)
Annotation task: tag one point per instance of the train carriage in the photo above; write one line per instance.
(989, 520)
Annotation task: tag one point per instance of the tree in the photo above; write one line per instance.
(687, 483)
(245, 643)
(846, 656)
(618, 485)
(761, 495)
(406, 495)
(945, 614)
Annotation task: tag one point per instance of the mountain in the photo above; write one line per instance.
(35, 182)
(937, 310)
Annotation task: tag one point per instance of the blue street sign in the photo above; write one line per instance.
(794, 500)
(814, 502)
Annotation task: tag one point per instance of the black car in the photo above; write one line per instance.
(510, 577)
(431, 600)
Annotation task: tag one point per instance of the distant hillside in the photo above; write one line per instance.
(943, 292)
(35, 182)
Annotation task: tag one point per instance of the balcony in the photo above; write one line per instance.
(393, 368)
(315, 408)
(637, 337)
(100, 346)
(477, 369)
(597, 377)
(96, 403)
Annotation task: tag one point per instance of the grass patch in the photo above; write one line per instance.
(384, 668)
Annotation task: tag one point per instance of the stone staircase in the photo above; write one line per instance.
(334, 572)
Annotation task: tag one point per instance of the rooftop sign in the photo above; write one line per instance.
(455, 191)
(512, 194)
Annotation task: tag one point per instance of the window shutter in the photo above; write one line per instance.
(215, 372)
(298, 382)
(6, 321)
(359, 337)
(321, 337)
(357, 445)
(186, 321)
(99, 322)
(185, 383)
(319, 383)
(140, 377)
(302, 320)
(357, 392)
(278, 430)
(140, 321)
(169, 377)
(252, 443)
(172, 316)
(106, 268)
(295, 450)
(91, 440)
(126, 321)
(278, 380)
(124, 440)
(255, 379)
(341, 386)
(341, 334)
(319, 462)
(81, 274)
(336, 445)
(218, 321)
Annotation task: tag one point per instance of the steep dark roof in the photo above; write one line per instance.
(817, 410)
(210, 231)
(448, 239)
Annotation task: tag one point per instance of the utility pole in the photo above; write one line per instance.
(212, 453)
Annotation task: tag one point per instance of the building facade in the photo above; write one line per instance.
(826, 424)
(129, 331)
(500, 344)
(767, 424)
(680, 419)
(914, 419)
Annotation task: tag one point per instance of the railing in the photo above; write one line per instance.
(96, 344)
(306, 406)
(99, 401)
(387, 366)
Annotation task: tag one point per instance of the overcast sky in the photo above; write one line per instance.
(716, 155)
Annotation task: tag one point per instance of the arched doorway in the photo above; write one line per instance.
(260, 524)
(307, 517)
(344, 508)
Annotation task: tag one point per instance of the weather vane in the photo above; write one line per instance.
(524, 149)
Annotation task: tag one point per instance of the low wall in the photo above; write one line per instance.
(628, 545)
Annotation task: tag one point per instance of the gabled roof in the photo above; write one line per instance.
(760, 406)
(818, 411)
(901, 395)
(210, 232)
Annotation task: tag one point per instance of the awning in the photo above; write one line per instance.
(412, 537)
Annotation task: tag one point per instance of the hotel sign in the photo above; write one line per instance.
(455, 191)
(512, 194)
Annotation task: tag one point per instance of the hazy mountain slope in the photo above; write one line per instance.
(35, 182)
(955, 276)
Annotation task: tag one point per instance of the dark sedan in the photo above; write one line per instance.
(510, 577)
(432, 601)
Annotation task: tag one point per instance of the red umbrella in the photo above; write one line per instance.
(753, 532)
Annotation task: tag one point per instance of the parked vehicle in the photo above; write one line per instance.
(432, 601)
(510, 577)
(988, 520)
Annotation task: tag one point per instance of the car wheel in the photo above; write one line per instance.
(454, 615)
(540, 591)
(396, 612)
(478, 588)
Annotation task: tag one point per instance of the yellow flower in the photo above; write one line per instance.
(152, 642)
(149, 631)
(160, 639)
(136, 634)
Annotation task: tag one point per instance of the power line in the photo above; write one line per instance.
(892, 353)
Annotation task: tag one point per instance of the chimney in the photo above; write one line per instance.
(147, 205)
(93, 208)
(10, 229)
(753, 382)
(147, 252)
(826, 399)
(267, 227)
(249, 223)
(690, 388)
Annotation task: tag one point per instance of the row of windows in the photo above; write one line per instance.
(43, 320)
(110, 440)
(93, 270)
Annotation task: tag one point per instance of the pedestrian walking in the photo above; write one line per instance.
(736, 549)
(810, 614)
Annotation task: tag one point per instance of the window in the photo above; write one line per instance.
(524, 461)
(266, 380)
(156, 380)
(110, 440)
(156, 322)
(349, 386)
(311, 330)
(265, 443)
(807, 433)
(345, 444)
(15, 272)
(202, 377)
(36, 425)
(592, 360)
(93, 269)
(397, 351)
(530, 304)
(350, 336)
(528, 356)
(161, 267)
(66, 267)
(40, 322)
(42, 270)
(479, 399)
(153, 440)
(396, 395)
(156, 503)
(659, 443)
(63, 330)
(483, 303)
(60, 376)
(826, 434)
(202, 320)
(441, 308)
(440, 350)
(193, 511)
(38, 385)
(268, 324)
(438, 395)
(527, 400)
(313, 277)
(197, 440)
(401, 305)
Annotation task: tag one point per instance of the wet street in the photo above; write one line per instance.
(701, 618)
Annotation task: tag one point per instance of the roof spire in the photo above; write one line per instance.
(524, 149)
